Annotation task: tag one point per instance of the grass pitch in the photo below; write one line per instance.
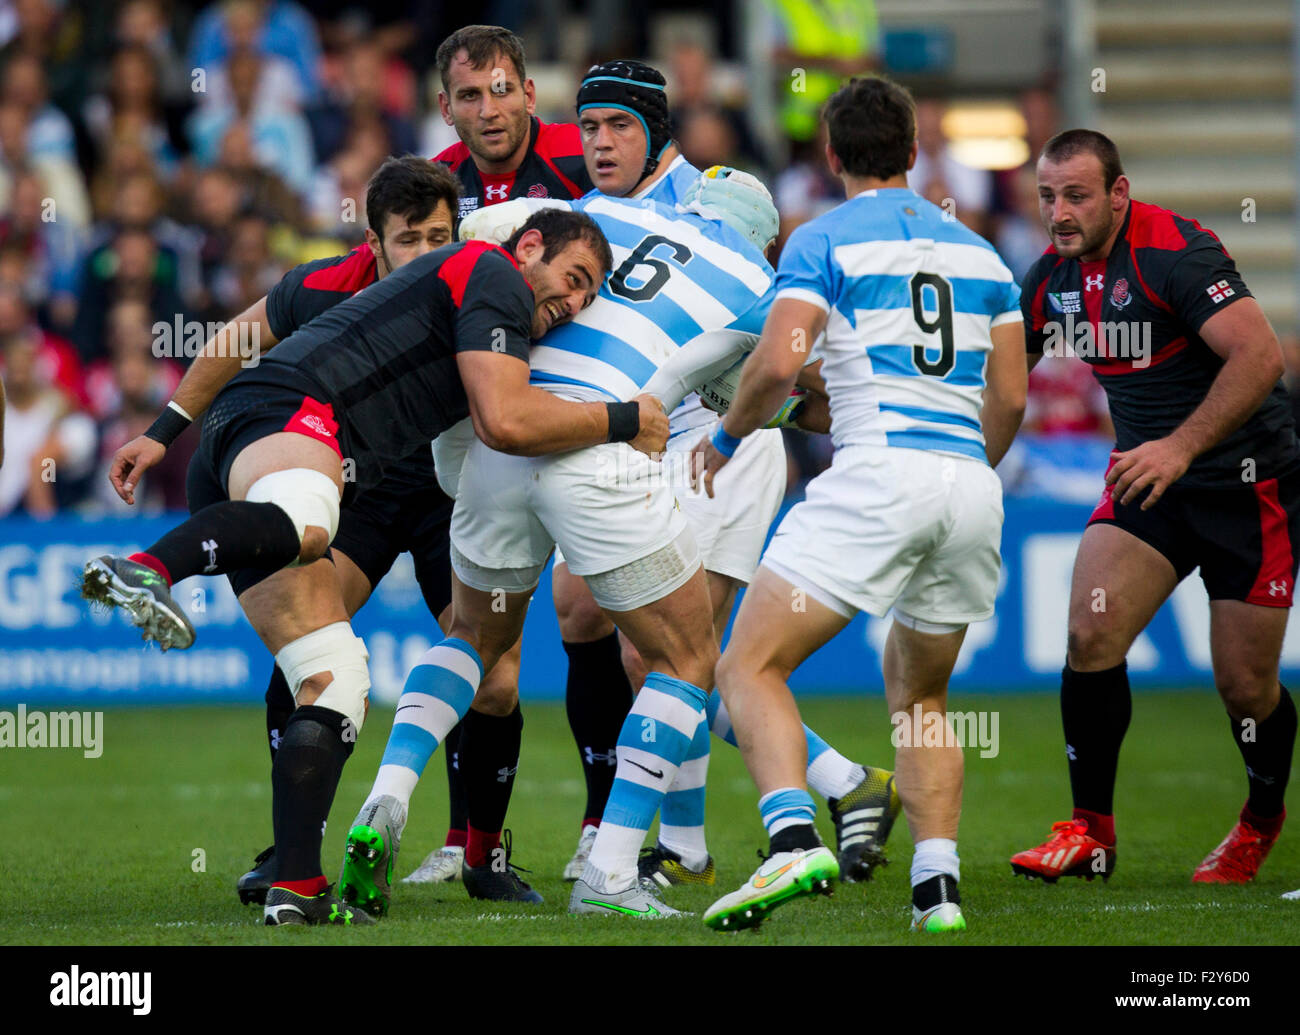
(143, 845)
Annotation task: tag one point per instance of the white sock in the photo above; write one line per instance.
(832, 775)
(933, 856)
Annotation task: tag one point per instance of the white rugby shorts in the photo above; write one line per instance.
(887, 527)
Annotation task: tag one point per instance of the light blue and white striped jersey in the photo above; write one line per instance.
(911, 295)
(671, 187)
(676, 276)
(669, 190)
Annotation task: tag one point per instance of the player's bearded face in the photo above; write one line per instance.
(614, 148)
(1075, 206)
(488, 106)
(562, 287)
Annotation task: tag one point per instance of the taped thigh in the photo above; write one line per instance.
(310, 498)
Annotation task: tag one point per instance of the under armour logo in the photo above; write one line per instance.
(1094, 283)
(496, 193)
(455, 760)
(592, 757)
(275, 740)
(1277, 589)
(505, 772)
(1267, 781)
(1069, 753)
(210, 545)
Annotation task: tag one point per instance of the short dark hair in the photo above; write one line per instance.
(559, 228)
(871, 122)
(410, 187)
(481, 44)
(1072, 142)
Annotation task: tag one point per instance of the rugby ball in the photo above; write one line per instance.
(717, 393)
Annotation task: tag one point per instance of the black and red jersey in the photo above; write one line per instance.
(308, 290)
(552, 168)
(385, 359)
(1134, 317)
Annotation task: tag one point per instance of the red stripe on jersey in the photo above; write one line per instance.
(455, 270)
(1151, 226)
(1273, 583)
(454, 156)
(1126, 366)
(1105, 509)
(562, 139)
(357, 270)
(1142, 281)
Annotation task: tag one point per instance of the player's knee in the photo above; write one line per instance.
(498, 694)
(1249, 692)
(315, 541)
(580, 617)
(635, 668)
(310, 499)
(733, 669)
(327, 668)
(1092, 646)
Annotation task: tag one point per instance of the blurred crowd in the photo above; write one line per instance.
(165, 162)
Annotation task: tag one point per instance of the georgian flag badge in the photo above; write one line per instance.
(1219, 291)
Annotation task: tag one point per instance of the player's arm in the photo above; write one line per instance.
(512, 416)
(703, 357)
(765, 381)
(1242, 337)
(218, 362)
(1005, 390)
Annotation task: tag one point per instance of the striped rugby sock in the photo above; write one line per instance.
(786, 807)
(829, 773)
(681, 817)
(437, 694)
(656, 738)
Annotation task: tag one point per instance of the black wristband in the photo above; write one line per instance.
(624, 421)
(167, 428)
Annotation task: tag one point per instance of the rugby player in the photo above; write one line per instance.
(504, 152)
(1205, 473)
(411, 209)
(377, 375)
(909, 515)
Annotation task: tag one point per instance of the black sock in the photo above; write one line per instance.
(457, 795)
(225, 537)
(303, 781)
(1095, 711)
(597, 698)
(279, 706)
(1266, 749)
(489, 756)
(936, 890)
(801, 835)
